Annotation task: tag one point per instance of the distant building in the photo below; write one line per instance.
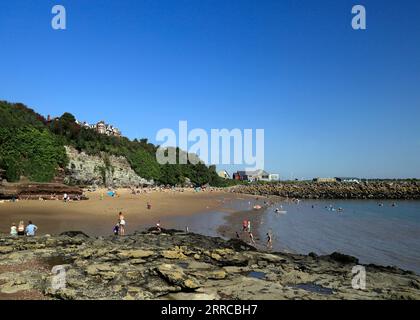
(257, 175)
(102, 128)
(348, 179)
(224, 174)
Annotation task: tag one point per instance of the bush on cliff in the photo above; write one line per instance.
(30, 152)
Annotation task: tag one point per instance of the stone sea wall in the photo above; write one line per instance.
(177, 265)
(34, 191)
(104, 170)
(335, 190)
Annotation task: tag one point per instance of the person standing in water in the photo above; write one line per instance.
(269, 240)
(251, 237)
(245, 225)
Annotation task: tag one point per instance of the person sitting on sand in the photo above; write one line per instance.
(116, 229)
(13, 230)
(21, 229)
(31, 229)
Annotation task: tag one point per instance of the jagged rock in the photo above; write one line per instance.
(4, 249)
(175, 275)
(73, 234)
(217, 275)
(108, 170)
(136, 254)
(343, 258)
(173, 254)
(335, 190)
(134, 267)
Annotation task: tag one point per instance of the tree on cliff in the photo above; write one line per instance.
(32, 153)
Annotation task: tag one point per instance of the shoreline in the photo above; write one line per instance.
(174, 265)
(98, 215)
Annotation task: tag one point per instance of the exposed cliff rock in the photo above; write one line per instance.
(178, 265)
(108, 170)
(335, 190)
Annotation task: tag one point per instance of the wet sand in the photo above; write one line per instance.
(97, 217)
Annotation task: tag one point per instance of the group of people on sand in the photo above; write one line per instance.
(22, 230)
(246, 227)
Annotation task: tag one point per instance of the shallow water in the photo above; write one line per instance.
(384, 235)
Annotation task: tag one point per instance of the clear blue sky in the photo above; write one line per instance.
(333, 101)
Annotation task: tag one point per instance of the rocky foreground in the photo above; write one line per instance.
(396, 190)
(177, 265)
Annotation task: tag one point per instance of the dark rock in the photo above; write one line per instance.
(73, 234)
(343, 258)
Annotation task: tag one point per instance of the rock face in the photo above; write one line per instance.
(335, 190)
(84, 169)
(177, 265)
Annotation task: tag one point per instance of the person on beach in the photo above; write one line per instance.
(149, 205)
(269, 241)
(31, 229)
(13, 230)
(245, 225)
(237, 235)
(158, 226)
(65, 197)
(21, 228)
(249, 226)
(121, 224)
(251, 237)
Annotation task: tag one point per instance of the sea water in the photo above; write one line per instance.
(379, 232)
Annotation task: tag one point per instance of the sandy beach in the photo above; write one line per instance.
(97, 216)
